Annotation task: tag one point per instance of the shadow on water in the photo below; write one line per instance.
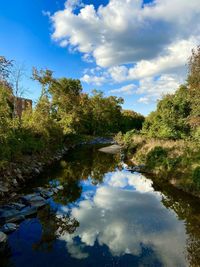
(106, 216)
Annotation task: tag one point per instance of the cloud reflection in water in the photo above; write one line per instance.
(125, 213)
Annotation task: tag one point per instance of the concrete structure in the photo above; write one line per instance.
(22, 104)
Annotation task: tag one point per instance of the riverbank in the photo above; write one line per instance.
(14, 175)
(176, 162)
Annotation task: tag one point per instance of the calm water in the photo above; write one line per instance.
(107, 216)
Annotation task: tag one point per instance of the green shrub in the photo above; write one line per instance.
(196, 176)
(156, 157)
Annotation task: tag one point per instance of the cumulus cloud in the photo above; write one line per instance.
(123, 219)
(126, 90)
(152, 87)
(155, 88)
(129, 40)
(125, 31)
(96, 80)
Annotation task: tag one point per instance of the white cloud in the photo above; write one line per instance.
(144, 100)
(96, 80)
(124, 219)
(129, 41)
(126, 90)
(154, 88)
(123, 179)
(123, 32)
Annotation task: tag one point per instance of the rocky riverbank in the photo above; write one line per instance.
(15, 174)
(21, 208)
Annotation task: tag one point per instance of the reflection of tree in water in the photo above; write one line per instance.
(78, 165)
(88, 162)
(53, 226)
(187, 208)
(71, 192)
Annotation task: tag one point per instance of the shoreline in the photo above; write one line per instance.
(16, 174)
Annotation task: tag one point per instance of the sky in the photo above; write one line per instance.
(133, 49)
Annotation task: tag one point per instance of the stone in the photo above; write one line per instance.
(136, 169)
(4, 189)
(55, 190)
(3, 238)
(29, 211)
(3, 241)
(60, 187)
(18, 206)
(34, 200)
(36, 170)
(9, 214)
(14, 182)
(20, 177)
(113, 149)
(9, 228)
(44, 192)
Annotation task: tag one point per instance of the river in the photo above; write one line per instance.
(106, 216)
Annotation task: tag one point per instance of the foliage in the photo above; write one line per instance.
(170, 120)
(131, 120)
(196, 177)
(194, 82)
(62, 112)
(156, 157)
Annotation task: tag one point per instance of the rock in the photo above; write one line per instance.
(60, 187)
(9, 214)
(36, 170)
(9, 228)
(3, 241)
(14, 182)
(18, 206)
(28, 211)
(114, 149)
(55, 190)
(47, 194)
(136, 169)
(44, 192)
(3, 238)
(34, 200)
(3, 188)
(20, 177)
(139, 168)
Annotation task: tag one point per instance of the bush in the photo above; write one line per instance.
(196, 177)
(156, 157)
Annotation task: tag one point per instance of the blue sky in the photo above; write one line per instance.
(130, 48)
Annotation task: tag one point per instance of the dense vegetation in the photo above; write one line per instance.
(169, 142)
(61, 112)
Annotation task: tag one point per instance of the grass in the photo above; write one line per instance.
(175, 161)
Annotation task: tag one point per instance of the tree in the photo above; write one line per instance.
(66, 95)
(131, 120)
(170, 120)
(5, 68)
(106, 113)
(45, 78)
(16, 78)
(194, 81)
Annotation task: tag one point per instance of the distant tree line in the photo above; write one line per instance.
(63, 109)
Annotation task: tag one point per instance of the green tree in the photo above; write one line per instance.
(170, 120)
(131, 120)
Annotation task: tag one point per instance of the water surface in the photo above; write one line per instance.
(107, 216)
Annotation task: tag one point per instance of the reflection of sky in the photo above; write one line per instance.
(124, 213)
